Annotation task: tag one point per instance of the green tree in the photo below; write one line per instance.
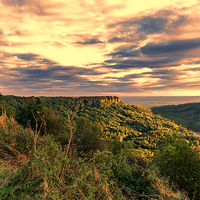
(33, 114)
(4, 108)
(87, 135)
(116, 147)
(180, 161)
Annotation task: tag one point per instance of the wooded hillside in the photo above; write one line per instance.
(188, 115)
(116, 119)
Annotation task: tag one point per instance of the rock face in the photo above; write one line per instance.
(107, 98)
(97, 98)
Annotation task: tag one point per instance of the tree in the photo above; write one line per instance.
(180, 161)
(4, 108)
(33, 113)
(87, 135)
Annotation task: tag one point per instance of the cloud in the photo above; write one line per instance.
(35, 7)
(155, 55)
(14, 2)
(54, 43)
(137, 29)
(52, 80)
(116, 39)
(145, 24)
(170, 47)
(27, 56)
(90, 42)
(18, 33)
(123, 53)
(127, 51)
(1, 32)
(4, 43)
(150, 25)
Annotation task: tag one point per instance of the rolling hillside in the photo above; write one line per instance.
(116, 119)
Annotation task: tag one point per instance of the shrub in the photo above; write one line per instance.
(87, 136)
(180, 161)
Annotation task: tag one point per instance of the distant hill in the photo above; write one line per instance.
(188, 115)
(117, 120)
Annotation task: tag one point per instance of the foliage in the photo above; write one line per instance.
(115, 119)
(188, 115)
(32, 112)
(101, 175)
(116, 147)
(87, 136)
(4, 108)
(180, 160)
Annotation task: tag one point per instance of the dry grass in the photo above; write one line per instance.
(167, 193)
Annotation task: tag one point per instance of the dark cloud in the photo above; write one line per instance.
(147, 25)
(27, 56)
(125, 52)
(175, 23)
(150, 25)
(139, 63)
(47, 62)
(116, 39)
(154, 55)
(32, 57)
(176, 46)
(40, 79)
(90, 41)
(134, 38)
(136, 29)
(33, 74)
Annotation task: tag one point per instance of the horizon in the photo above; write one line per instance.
(104, 96)
(100, 48)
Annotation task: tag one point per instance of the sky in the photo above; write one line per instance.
(100, 47)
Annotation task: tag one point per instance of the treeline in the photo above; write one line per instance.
(187, 115)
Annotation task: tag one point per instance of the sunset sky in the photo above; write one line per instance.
(100, 47)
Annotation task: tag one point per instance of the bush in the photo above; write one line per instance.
(180, 161)
(35, 115)
(87, 136)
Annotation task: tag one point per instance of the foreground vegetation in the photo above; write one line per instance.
(73, 157)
